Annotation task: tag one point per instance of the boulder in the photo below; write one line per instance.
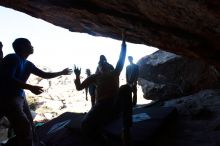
(165, 75)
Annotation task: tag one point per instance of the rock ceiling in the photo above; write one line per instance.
(186, 27)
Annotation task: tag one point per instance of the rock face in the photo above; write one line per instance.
(165, 75)
(185, 27)
(198, 121)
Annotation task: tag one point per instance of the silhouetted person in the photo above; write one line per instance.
(107, 87)
(91, 89)
(102, 60)
(1, 52)
(14, 72)
(132, 72)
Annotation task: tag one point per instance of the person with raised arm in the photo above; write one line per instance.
(107, 90)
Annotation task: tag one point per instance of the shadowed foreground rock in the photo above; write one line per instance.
(198, 121)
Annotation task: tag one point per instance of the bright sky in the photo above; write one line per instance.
(58, 48)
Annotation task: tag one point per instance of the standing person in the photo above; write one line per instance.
(107, 89)
(102, 60)
(14, 72)
(1, 52)
(132, 72)
(91, 89)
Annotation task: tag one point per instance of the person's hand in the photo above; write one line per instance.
(36, 89)
(123, 38)
(67, 71)
(77, 71)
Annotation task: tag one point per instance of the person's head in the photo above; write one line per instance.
(22, 46)
(130, 59)
(105, 67)
(102, 58)
(88, 72)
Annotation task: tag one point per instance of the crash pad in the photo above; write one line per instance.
(65, 129)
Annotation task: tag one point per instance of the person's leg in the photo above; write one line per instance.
(134, 90)
(27, 111)
(93, 100)
(94, 120)
(19, 121)
(125, 93)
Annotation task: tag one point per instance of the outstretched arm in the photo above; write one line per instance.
(121, 59)
(48, 75)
